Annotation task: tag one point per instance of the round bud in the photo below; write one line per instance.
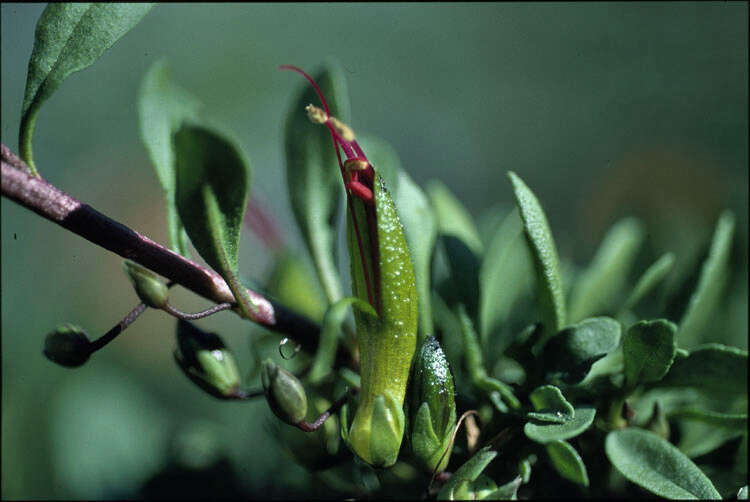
(67, 346)
(284, 392)
(149, 288)
(205, 359)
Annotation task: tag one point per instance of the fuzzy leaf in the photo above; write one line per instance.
(546, 432)
(649, 280)
(570, 354)
(648, 350)
(544, 253)
(715, 368)
(504, 274)
(470, 471)
(550, 405)
(162, 107)
(312, 174)
(707, 296)
(599, 285)
(656, 465)
(567, 462)
(212, 185)
(69, 37)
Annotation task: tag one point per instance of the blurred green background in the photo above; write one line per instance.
(604, 109)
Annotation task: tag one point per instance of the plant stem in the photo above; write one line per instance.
(53, 204)
(318, 423)
(198, 315)
(117, 328)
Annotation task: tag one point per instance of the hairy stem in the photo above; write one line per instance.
(55, 205)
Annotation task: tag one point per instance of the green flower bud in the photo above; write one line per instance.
(67, 346)
(284, 393)
(149, 288)
(377, 430)
(206, 361)
(433, 406)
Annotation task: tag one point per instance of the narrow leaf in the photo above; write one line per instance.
(653, 463)
(462, 245)
(162, 107)
(69, 37)
(731, 421)
(542, 246)
(570, 354)
(548, 432)
(648, 350)
(329, 335)
(599, 285)
(504, 274)
(212, 185)
(567, 462)
(707, 296)
(715, 368)
(649, 280)
(312, 174)
(470, 471)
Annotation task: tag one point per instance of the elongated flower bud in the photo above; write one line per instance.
(432, 405)
(205, 359)
(284, 392)
(67, 346)
(149, 288)
(383, 276)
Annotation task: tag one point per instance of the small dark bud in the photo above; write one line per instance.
(207, 361)
(149, 288)
(67, 346)
(284, 392)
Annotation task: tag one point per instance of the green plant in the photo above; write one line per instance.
(553, 401)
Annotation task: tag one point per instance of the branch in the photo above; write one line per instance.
(55, 205)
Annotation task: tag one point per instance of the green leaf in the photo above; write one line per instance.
(599, 285)
(707, 296)
(462, 245)
(452, 217)
(742, 493)
(542, 246)
(550, 405)
(570, 354)
(212, 184)
(567, 462)
(545, 433)
(649, 280)
(648, 349)
(508, 491)
(503, 276)
(162, 108)
(69, 37)
(475, 365)
(329, 335)
(731, 421)
(715, 368)
(313, 176)
(656, 465)
(420, 230)
(468, 472)
(293, 282)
